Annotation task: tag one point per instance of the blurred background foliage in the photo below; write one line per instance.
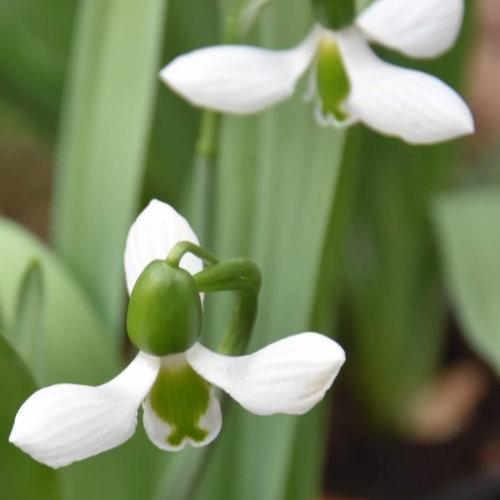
(393, 249)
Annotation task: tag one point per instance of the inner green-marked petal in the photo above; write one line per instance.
(180, 397)
(332, 80)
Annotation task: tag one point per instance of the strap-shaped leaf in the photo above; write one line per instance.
(75, 348)
(102, 141)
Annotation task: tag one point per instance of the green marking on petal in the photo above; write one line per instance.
(180, 397)
(333, 82)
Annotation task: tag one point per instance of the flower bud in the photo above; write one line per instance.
(335, 14)
(164, 312)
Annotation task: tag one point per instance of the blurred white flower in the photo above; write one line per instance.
(64, 423)
(408, 104)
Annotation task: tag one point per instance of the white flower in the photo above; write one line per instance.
(400, 102)
(66, 422)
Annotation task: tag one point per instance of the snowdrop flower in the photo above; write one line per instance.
(64, 423)
(349, 82)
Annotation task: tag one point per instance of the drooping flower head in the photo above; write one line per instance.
(348, 81)
(173, 374)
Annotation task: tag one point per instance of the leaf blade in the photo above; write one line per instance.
(467, 226)
(103, 137)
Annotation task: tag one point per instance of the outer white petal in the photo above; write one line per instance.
(414, 106)
(64, 423)
(158, 430)
(418, 28)
(288, 376)
(153, 234)
(238, 78)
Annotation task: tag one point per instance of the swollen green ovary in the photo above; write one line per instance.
(180, 397)
(164, 312)
(332, 80)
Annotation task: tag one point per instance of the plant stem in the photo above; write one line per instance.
(203, 184)
(175, 255)
(243, 277)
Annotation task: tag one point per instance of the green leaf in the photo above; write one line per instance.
(21, 478)
(305, 482)
(103, 136)
(467, 225)
(395, 304)
(180, 475)
(28, 331)
(75, 348)
(129, 472)
(394, 297)
(276, 181)
(191, 24)
(309, 451)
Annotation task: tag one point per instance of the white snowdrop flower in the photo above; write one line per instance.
(64, 423)
(348, 80)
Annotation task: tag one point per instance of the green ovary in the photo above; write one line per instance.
(332, 80)
(180, 397)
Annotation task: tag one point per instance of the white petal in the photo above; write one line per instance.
(158, 431)
(414, 106)
(238, 78)
(153, 234)
(64, 423)
(418, 28)
(288, 376)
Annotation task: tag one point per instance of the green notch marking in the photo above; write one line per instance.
(333, 82)
(181, 397)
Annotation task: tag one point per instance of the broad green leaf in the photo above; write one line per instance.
(102, 146)
(28, 331)
(290, 215)
(21, 478)
(104, 131)
(305, 482)
(467, 225)
(276, 180)
(75, 347)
